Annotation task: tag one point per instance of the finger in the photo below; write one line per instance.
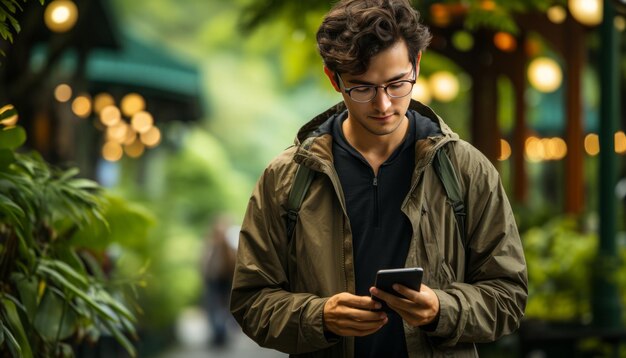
(385, 296)
(410, 294)
(359, 315)
(362, 302)
(355, 328)
(359, 333)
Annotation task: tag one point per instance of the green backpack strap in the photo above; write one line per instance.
(299, 187)
(302, 181)
(446, 173)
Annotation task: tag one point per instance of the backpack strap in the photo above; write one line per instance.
(446, 173)
(299, 187)
(302, 181)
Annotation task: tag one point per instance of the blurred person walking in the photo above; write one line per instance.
(218, 265)
(393, 187)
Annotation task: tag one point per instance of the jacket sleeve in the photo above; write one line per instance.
(491, 301)
(260, 299)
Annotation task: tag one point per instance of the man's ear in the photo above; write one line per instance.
(331, 76)
(417, 64)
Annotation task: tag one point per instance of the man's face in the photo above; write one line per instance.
(382, 115)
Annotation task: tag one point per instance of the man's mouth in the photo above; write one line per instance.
(383, 117)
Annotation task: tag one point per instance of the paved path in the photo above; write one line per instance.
(193, 331)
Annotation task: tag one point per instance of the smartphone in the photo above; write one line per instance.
(410, 277)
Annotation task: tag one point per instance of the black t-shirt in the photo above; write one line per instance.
(381, 233)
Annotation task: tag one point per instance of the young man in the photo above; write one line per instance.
(377, 202)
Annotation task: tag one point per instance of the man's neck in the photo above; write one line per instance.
(374, 148)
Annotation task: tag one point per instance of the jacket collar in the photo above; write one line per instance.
(315, 127)
(312, 142)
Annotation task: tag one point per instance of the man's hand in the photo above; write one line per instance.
(348, 315)
(417, 309)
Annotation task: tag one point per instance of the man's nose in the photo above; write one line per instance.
(381, 101)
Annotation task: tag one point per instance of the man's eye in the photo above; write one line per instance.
(362, 89)
(396, 85)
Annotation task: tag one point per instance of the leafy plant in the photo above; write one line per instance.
(8, 23)
(53, 293)
(559, 258)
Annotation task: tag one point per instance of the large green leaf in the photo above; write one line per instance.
(121, 338)
(54, 319)
(6, 158)
(14, 346)
(13, 319)
(12, 137)
(10, 209)
(66, 270)
(1, 333)
(102, 310)
(128, 225)
(27, 288)
(116, 305)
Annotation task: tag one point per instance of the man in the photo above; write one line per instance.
(376, 202)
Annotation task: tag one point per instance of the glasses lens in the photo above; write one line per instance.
(399, 89)
(363, 94)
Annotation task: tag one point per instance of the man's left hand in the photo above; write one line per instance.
(418, 308)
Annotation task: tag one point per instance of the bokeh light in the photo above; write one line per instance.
(61, 15)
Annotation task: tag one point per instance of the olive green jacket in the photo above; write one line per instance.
(281, 285)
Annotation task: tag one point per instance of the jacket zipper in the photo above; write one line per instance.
(376, 207)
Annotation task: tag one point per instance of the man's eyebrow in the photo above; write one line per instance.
(365, 83)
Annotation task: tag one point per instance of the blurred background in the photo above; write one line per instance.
(170, 110)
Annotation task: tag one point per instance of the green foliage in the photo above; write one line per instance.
(185, 188)
(9, 25)
(559, 258)
(53, 291)
(500, 18)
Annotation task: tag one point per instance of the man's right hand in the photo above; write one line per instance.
(348, 315)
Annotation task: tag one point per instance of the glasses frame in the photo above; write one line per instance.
(348, 90)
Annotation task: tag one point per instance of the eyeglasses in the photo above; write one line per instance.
(366, 93)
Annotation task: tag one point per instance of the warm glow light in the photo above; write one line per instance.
(61, 15)
(620, 23)
(135, 149)
(444, 86)
(142, 121)
(559, 148)
(81, 106)
(592, 144)
(117, 132)
(556, 14)
(620, 142)
(110, 116)
(505, 41)
(488, 5)
(152, 137)
(132, 103)
(532, 47)
(534, 150)
(587, 12)
(421, 92)
(63, 92)
(102, 100)
(440, 15)
(545, 74)
(131, 135)
(9, 121)
(112, 151)
(505, 150)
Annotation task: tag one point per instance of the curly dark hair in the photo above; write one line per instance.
(354, 31)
